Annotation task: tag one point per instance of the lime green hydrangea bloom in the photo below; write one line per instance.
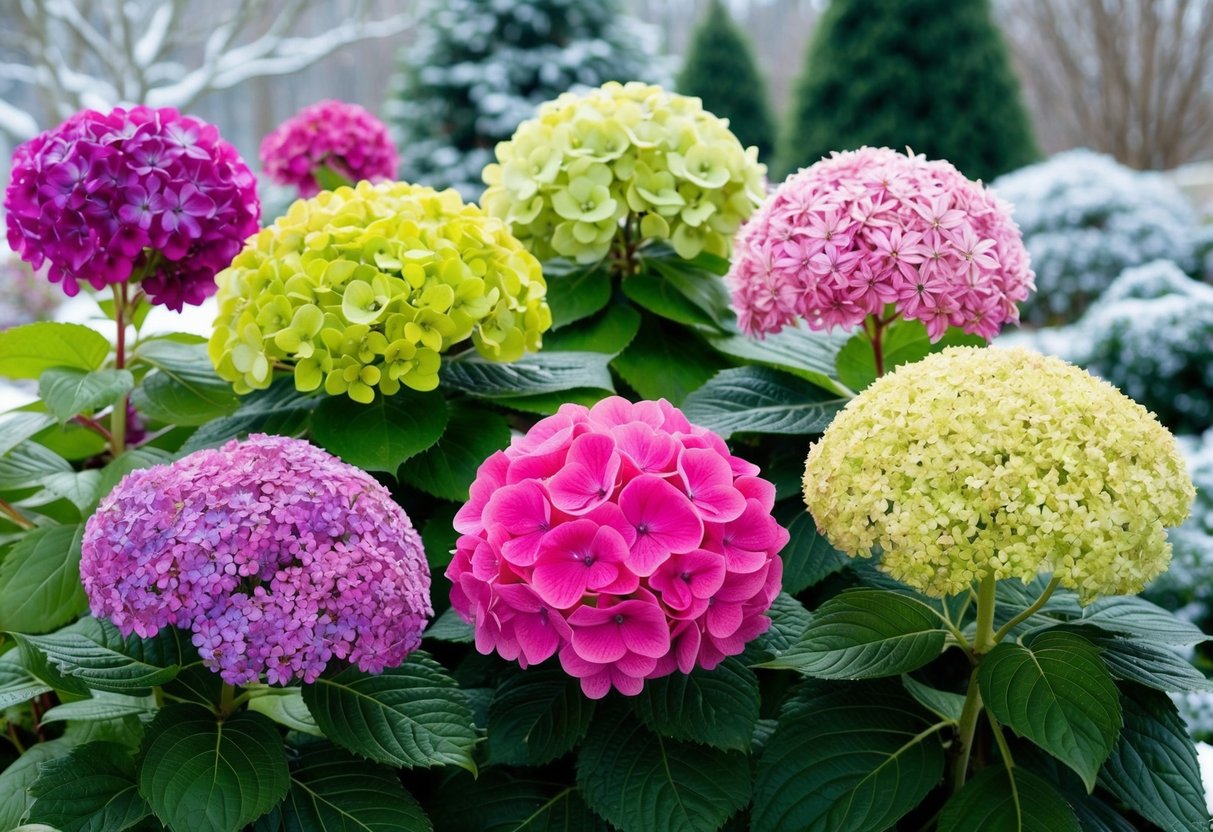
(568, 178)
(364, 288)
(977, 462)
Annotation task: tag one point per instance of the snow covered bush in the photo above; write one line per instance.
(480, 67)
(1188, 586)
(1085, 219)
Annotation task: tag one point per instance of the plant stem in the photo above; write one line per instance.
(14, 739)
(227, 701)
(7, 509)
(967, 730)
(878, 344)
(93, 425)
(1028, 613)
(983, 641)
(118, 414)
(1003, 748)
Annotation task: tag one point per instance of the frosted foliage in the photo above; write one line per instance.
(1188, 585)
(481, 67)
(1085, 218)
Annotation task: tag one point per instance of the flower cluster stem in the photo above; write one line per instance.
(227, 701)
(967, 731)
(118, 415)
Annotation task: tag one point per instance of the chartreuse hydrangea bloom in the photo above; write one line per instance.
(974, 463)
(364, 288)
(624, 159)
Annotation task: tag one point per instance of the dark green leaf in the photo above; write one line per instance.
(640, 781)
(846, 757)
(576, 291)
(761, 400)
(942, 703)
(653, 291)
(789, 620)
(506, 802)
(206, 776)
(537, 715)
(15, 780)
(450, 627)
(17, 685)
(1057, 693)
(68, 392)
(545, 404)
(535, 373)
(448, 468)
(93, 651)
(1139, 618)
(993, 802)
(665, 362)
(413, 715)
(91, 790)
(40, 587)
(1153, 767)
(71, 441)
(808, 557)
(609, 332)
(27, 351)
(186, 396)
(799, 351)
(1016, 596)
(704, 289)
(280, 409)
(904, 342)
(715, 707)
(1149, 664)
(100, 707)
(439, 537)
(865, 634)
(381, 435)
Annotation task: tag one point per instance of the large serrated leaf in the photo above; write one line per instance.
(92, 789)
(40, 585)
(992, 802)
(865, 634)
(1152, 665)
(789, 620)
(20, 775)
(381, 435)
(575, 290)
(200, 775)
(1139, 618)
(280, 409)
(507, 802)
(808, 557)
(665, 361)
(761, 400)
(69, 392)
(654, 292)
(1153, 767)
(448, 469)
(18, 425)
(28, 464)
(809, 355)
(536, 716)
(93, 651)
(27, 351)
(1057, 693)
(17, 685)
(640, 781)
(609, 332)
(183, 388)
(715, 707)
(535, 373)
(413, 715)
(846, 757)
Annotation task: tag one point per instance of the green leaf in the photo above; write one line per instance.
(286, 707)
(640, 781)
(607, 333)
(798, 351)
(994, 802)
(1138, 618)
(450, 627)
(665, 362)
(207, 776)
(545, 404)
(280, 409)
(1016, 596)
(381, 435)
(17, 684)
(904, 342)
(808, 558)
(536, 716)
(789, 620)
(828, 769)
(509, 802)
(18, 425)
(100, 707)
(448, 469)
(1057, 693)
(534, 373)
(132, 460)
(28, 464)
(94, 651)
(81, 488)
(659, 295)
(332, 791)
(413, 715)
(68, 392)
(576, 291)
(15, 780)
(866, 634)
(761, 400)
(1153, 767)
(71, 441)
(703, 289)
(187, 396)
(27, 351)
(40, 587)
(942, 703)
(714, 707)
(1148, 664)
(92, 789)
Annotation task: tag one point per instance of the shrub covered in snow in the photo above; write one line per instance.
(1188, 585)
(1085, 219)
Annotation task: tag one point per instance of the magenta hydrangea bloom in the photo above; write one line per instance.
(276, 555)
(343, 137)
(861, 230)
(622, 539)
(143, 192)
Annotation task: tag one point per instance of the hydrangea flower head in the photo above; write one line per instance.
(854, 233)
(277, 556)
(145, 194)
(622, 539)
(976, 462)
(364, 288)
(344, 138)
(623, 159)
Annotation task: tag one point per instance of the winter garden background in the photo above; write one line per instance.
(404, 412)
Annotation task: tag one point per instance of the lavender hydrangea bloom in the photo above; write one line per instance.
(276, 555)
(144, 193)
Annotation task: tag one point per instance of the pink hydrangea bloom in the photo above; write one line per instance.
(344, 137)
(841, 239)
(143, 192)
(622, 539)
(276, 555)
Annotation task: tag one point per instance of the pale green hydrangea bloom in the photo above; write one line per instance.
(568, 178)
(365, 287)
(977, 462)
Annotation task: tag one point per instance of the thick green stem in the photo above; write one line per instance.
(1028, 613)
(227, 701)
(967, 731)
(984, 640)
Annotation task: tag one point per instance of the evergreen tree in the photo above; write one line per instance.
(933, 75)
(480, 67)
(720, 69)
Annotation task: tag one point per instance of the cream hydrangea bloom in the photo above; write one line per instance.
(1004, 462)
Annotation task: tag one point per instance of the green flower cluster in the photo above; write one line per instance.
(624, 156)
(365, 287)
(977, 462)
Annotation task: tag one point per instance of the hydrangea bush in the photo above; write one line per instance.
(330, 142)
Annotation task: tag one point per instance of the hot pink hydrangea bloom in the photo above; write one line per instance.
(621, 538)
(278, 556)
(344, 137)
(841, 239)
(141, 192)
